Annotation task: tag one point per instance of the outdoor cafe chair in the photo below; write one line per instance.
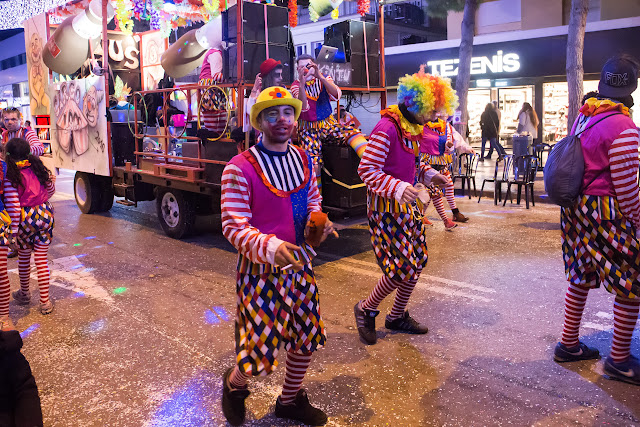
(539, 150)
(500, 175)
(525, 169)
(465, 168)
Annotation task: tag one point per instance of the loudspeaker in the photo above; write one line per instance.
(254, 55)
(359, 70)
(350, 34)
(253, 15)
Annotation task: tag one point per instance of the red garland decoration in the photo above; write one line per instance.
(293, 13)
(363, 7)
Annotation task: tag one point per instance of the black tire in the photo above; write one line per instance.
(176, 212)
(105, 183)
(87, 192)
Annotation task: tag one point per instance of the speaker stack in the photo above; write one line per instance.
(349, 37)
(259, 35)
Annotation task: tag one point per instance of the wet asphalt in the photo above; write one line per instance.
(143, 328)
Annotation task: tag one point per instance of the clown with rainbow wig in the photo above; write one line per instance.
(438, 144)
(394, 173)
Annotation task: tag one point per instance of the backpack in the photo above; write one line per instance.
(564, 169)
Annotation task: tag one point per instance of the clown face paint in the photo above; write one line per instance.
(277, 124)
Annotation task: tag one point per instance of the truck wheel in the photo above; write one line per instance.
(105, 183)
(176, 212)
(87, 192)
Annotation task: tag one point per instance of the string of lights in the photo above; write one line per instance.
(14, 12)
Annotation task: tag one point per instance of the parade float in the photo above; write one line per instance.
(116, 96)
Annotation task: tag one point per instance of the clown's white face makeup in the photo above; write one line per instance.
(277, 126)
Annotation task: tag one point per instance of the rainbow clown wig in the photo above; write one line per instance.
(424, 93)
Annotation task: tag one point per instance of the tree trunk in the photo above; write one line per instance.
(575, 47)
(468, 30)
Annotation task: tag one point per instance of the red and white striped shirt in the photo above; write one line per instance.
(12, 205)
(236, 216)
(623, 161)
(12, 202)
(380, 183)
(37, 149)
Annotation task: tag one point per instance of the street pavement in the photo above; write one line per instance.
(143, 328)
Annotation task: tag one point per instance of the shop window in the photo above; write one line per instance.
(476, 102)
(510, 102)
(555, 105)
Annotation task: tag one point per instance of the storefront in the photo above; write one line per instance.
(516, 71)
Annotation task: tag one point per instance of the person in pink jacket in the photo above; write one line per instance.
(600, 234)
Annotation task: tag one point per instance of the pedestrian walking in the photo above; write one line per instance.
(19, 398)
(31, 185)
(268, 194)
(489, 124)
(391, 168)
(528, 121)
(600, 234)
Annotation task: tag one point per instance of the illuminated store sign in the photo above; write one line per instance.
(499, 63)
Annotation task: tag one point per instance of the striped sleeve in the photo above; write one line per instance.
(426, 172)
(12, 204)
(334, 98)
(51, 188)
(623, 161)
(370, 169)
(37, 149)
(295, 89)
(236, 214)
(314, 199)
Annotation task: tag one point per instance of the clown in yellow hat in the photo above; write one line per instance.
(268, 194)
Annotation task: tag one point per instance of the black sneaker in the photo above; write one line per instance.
(406, 324)
(562, 353)
(366, 323)
(233, 401)
(628, 371)
(301, 410)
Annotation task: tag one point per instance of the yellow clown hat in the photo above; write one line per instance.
(270, 97)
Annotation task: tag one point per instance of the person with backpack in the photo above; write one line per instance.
(601, 228)
(30, 183)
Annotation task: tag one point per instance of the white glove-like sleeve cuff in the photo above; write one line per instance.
(272, 246)
(400, 191)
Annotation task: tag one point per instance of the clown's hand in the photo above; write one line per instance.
(284, 256)
(410, 194)
(257, 86)
(439, 179)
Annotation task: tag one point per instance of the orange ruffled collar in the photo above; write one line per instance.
(595, 106)
(410, 131)
(439, 125)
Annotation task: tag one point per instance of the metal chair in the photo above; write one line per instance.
(465, 168)
(499, 176)
(525, 169)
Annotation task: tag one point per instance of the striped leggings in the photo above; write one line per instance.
(438, 202)
(384, 287)
(625, 315)
(297, 365)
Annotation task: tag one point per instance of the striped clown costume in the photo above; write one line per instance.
(390, 165)
(214, 110)
(318, 126)
(601, 235)
(437, 148)
(31, 222)
(267, 197)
